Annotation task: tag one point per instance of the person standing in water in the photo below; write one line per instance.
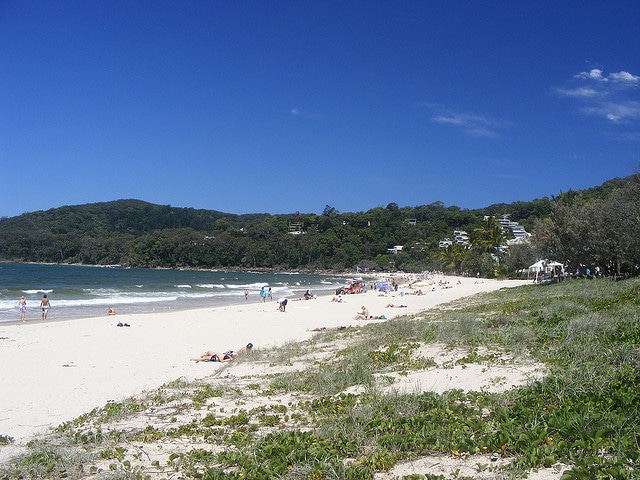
(22, 306)
(45, 305)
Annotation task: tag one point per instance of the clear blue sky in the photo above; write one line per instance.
(284, 106)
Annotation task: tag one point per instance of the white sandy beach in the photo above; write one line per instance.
(53, 372)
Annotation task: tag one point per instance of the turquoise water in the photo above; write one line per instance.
(81, 292)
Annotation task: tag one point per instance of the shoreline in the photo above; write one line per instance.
(231, 302)
(79, 293)
(54, 371)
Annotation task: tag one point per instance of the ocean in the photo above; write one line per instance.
(77, 292)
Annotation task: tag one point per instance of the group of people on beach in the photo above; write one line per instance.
(264, 294)
(45, 306)
(213, 356)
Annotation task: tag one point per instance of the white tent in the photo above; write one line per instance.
(537, 267)
(544, 267)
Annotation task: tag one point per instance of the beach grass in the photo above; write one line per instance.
(323, 409)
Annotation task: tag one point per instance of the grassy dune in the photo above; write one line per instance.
(327, 408)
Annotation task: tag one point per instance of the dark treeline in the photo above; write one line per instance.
(139, 234)
(596, 229)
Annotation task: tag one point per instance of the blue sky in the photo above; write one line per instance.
(285, 106)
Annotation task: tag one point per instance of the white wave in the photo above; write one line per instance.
(101, 291)
(77, 304)
(110, 301)
(248, 286)
(112, 292)
(6, 305)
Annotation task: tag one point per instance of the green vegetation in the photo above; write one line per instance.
(599, 227)
(335, 419)
(139, 234)
(592, 228)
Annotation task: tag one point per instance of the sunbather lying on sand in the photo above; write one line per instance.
(325, 329)
(211, 356)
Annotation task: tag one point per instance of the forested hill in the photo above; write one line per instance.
(120, 216)
(137, 233)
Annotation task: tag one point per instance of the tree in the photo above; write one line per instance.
(585, 231)
(479, 261)
(489, 236)
(328, 210)
(617, 236)
(453, 256)
(545, 241)
(519, 257)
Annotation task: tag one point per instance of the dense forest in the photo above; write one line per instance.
(595, 227)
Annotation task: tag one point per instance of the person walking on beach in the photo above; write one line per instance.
(22, 306)
(45, 305)
(269, 294)
(246, 294)
(263, 295)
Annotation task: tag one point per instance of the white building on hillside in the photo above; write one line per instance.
(506, 223)
(461, 237)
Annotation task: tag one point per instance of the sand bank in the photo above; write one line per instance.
(53, 372)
